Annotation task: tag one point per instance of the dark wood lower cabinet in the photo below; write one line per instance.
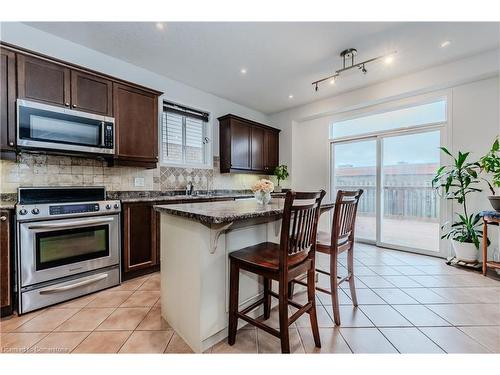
(6, 252)
(141, 240)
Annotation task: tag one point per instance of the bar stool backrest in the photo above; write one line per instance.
(299, 225)
(344, 216)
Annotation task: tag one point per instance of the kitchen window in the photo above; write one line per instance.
(185, 137)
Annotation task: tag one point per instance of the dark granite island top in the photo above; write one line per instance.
(228, 211)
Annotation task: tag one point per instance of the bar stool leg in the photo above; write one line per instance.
(334, 287)
(233, 302)
(350, 270)
(267, 298)
(291, 286)
(283, 317)
(311, 296)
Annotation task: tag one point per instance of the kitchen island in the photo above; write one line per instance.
(195, 241)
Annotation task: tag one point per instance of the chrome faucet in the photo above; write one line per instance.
(189, 188)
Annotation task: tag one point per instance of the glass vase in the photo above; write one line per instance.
(262, 197)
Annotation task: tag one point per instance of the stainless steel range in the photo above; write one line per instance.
(68, 244)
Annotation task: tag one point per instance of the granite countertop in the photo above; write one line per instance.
(131, 197)
(226, 212)
(8, 201)
(7, 205)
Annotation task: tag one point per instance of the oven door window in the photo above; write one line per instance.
(57, 248)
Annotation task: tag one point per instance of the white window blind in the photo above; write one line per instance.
(184, 136)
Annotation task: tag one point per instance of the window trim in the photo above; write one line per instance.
(207, 132)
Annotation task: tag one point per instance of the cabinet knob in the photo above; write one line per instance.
(66, 104)
(74, 105)
(11, 143)
(3, 218)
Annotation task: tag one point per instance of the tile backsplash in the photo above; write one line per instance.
(52, 170)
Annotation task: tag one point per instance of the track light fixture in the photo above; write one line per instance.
(347, 56)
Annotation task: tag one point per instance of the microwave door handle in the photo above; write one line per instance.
(72, 224)
(78, 284)
(103, 144)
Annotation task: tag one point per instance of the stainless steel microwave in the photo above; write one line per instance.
(46, 127)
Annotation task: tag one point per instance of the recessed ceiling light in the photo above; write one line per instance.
(243, 71)
(332, 81)
(160, 25)
(446, 43)
(388, 60)
(290, 96)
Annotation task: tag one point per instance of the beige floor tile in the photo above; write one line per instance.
(395, 296)
(468, 314)
(48, 320)
(469, 295)
(376, 282)
(178, 346)
(123, 319)
(246, 342)
(424, 295)
(86, 319)
(324, 319)
(409, 270)
(384, 316)
(153, 321)
(326, 299)
(110, 298)
(357, 282)
(269, 344)
(331, 341)
(152, 284)
(352, 317)
(59, 342)
(452, 340)
(487, 336)
(141, 298)
(385, 270)
(132, 284)
(421, 316)
(410, 340)
(363, 271)
(10, 323)
(147, 342)
(366, 297)
(103, 342)
(403, 281)
(19, 342)
(366, 340)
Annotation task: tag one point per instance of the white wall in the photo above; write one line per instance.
(33, 39)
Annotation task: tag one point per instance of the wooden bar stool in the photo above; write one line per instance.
(293, 256)
(339, 240)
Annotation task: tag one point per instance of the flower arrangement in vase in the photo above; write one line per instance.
(262, 191)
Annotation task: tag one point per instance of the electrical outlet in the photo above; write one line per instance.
(139, 181)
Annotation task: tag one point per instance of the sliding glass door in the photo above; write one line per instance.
(393, 163)
(410, 206)
(355, 167)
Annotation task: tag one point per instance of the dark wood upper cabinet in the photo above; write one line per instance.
(7, 104)
(43, 81)
(6, 243)
(136, 121)
(257, 148)
(247, 146)
(271, 150)
(91, 93)
(140, 238)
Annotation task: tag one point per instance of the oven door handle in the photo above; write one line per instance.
(75, 285)
(72, 224)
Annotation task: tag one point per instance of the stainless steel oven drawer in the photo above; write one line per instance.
(62, 291)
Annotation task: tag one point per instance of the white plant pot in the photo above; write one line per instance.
(465, 251)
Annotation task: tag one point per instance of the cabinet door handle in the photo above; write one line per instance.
(3, 218)
(66, 104)
(74, 105)
(11, 143)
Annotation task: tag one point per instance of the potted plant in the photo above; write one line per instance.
(281, 173)
(490, 163)
(456, 182)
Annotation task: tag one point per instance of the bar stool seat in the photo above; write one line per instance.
(324, 243)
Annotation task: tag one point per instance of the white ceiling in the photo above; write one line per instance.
(280, 58)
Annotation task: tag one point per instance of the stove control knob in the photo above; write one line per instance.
(117, 205)
(35, 211)
(23, 211)
(108, 207)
